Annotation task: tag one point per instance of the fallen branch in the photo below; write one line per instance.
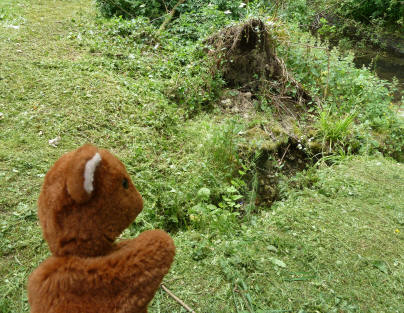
(170, 16)
(177, 299)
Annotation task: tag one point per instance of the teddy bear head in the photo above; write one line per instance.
(87, 200)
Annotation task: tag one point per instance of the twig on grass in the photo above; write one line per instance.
(176, 299)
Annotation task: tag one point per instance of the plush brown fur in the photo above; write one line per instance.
(88, 272)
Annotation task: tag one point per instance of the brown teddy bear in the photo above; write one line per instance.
(86, 201)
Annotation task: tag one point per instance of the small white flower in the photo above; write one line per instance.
(242, 5)
(227, 12)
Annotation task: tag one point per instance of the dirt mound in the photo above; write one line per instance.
(248, 62)
(276, 155)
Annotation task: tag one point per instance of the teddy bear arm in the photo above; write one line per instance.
(152, 251)
(123, 281)
(137, 267)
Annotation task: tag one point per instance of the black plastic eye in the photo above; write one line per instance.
(125, 183)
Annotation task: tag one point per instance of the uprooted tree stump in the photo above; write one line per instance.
(248, 62)
(247, 59)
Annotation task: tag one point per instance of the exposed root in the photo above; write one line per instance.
(248, 61)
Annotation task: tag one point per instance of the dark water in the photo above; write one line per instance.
(387, 66)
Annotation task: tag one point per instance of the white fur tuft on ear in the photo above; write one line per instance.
(90, 168)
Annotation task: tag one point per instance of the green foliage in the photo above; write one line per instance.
(345, 90)
(5, 305)
(389, 11)
(195, 85)
(136, 30)
(334, 131)
(216, 218)
(300, 254)
(326, 30)
(3, 14)
(156, 9)
(195, 25)
(132, 8)
(296, 10)
(348, 23)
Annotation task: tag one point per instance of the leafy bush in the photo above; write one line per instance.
(132, 8)
(390, 11)
(192, 26)
(344, 89)
(155, 9)
(193, 84)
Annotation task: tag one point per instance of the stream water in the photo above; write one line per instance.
(387, 66)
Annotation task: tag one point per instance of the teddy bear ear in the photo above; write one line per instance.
(81, 171)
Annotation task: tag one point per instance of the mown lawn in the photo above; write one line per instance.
(335, 244)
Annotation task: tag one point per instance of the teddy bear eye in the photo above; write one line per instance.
(125, 183)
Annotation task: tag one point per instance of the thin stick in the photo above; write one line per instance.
(170, 16)
(286, 150)
(328, 74)
(177, 299)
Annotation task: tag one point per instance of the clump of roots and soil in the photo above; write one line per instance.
(253, 73)
(275, 156)
(247, 59)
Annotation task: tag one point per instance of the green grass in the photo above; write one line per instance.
(335, 244)
(339, 243)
